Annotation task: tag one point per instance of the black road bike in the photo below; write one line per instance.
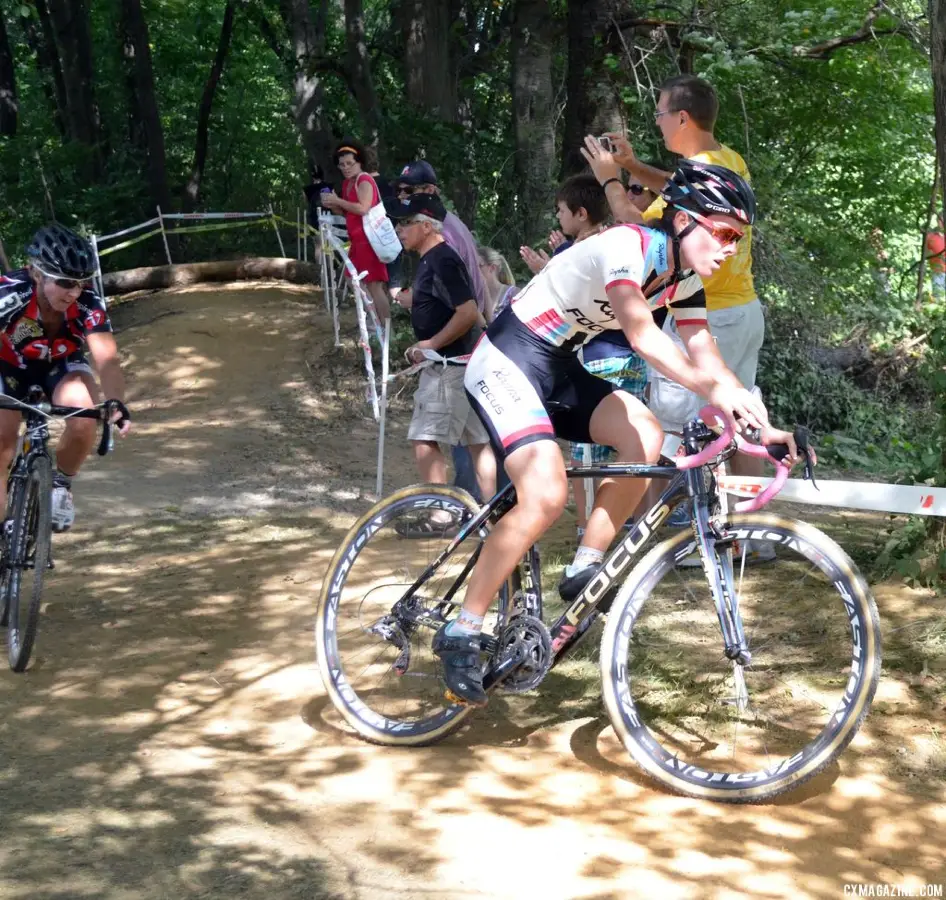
(724, 680)
(25, 545)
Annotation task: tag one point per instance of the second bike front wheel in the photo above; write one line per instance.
(28, 558)
(705, 725)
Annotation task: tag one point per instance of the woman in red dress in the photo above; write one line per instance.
(360, 194)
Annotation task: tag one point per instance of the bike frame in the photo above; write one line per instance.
(687, 484)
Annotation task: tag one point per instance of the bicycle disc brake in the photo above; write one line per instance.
(527, 638)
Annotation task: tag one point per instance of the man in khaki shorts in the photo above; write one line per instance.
(444, 317)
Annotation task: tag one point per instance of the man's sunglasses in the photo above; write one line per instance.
(725, 234)
(636, 189)
(407, 189)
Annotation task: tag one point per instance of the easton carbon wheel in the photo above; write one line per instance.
(373, 631)
(704, 725)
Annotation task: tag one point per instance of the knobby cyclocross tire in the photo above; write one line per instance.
(369, 573)
(29, 547)
(807, 606)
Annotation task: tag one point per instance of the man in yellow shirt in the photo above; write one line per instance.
(686, 116)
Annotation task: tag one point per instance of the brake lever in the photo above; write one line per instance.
(804, 446)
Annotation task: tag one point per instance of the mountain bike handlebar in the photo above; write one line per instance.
(775, 453)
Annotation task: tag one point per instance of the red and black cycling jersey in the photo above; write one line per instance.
(23, 339)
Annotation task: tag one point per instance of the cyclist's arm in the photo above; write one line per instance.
(104, 352)
(659, 350)
(704, 353)
(637, 321)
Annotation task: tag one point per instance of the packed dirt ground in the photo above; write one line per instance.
(172, 738)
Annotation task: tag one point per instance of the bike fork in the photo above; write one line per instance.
(716, 555)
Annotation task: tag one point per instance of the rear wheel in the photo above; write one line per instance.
(28, 558)
(703, 724)
(373, 631)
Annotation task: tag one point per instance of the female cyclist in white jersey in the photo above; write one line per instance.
(526, 383)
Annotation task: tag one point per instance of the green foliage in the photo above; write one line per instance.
(839, 146)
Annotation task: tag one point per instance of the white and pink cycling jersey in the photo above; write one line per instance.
(567, 303)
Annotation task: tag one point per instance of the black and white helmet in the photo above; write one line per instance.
(57, 251)
(708, 189)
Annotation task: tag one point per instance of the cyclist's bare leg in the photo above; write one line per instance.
(78, 437)
(485, 465)
(538, 472)
(623, 422)
(9, 429)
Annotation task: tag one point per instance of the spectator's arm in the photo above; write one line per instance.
(624, 155)
(365, 201)
(463, 319)
(608, 173)
(621, 208)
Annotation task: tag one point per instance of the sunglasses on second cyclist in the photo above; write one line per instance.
(725, 234)
(67, 284)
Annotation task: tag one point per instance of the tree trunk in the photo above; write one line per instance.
(533, 127)
(8, 101)
(4, 260)
(42, 42)
(359, 71)
(192, 191)
(148, 103)
(592, 103)
(938, 65)
(307, 43)
(429, 73)
(70, 22)
(137, 135)
(161, 277)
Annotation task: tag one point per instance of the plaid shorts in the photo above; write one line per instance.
(629, 373)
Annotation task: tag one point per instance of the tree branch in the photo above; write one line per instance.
(268, 33)
(866, 32)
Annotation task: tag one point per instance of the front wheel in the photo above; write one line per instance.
(705, 725)
(27, 559)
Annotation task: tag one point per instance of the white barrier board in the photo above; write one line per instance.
(916, 500)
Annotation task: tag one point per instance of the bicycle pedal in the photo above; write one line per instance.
(450, 697)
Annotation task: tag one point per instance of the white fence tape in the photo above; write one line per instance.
(915, 500)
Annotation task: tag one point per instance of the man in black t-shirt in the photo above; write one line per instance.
(444, 317)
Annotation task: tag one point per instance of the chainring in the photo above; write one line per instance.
(527, 637)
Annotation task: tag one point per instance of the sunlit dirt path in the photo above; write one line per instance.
(172, 738)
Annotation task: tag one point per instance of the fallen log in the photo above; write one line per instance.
(153, 278)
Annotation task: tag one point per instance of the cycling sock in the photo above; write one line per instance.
(464, 624)
(61, 479)
(581, 533)
(584, 557)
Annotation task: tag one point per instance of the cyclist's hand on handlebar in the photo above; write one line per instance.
(738, 403)
(119, 416)
(771, 435)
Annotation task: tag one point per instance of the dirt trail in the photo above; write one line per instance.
(172, 738)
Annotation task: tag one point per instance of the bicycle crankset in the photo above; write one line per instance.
(527, 638)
